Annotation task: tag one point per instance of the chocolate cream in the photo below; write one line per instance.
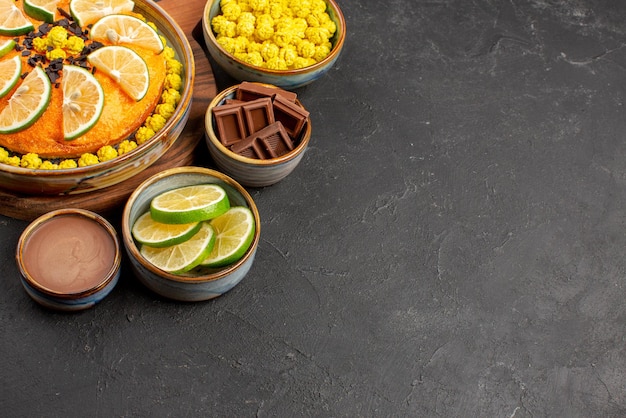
(69, 254)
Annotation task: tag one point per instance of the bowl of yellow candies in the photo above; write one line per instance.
(287, 43)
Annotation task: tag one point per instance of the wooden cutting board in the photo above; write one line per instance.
(183, 151)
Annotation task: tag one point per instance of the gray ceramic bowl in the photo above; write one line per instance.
(69, 259)
(287, 79)
(193, 286)
(251, 172)
(108, 173)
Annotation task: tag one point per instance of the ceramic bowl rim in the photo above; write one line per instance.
(210, 133)
(220, 273)
(35, 224)
(335, 51)
(180, 111)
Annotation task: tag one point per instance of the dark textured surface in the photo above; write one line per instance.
(451, 244)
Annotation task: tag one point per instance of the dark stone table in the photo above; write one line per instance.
(451, 245)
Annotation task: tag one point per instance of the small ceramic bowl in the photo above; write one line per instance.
(69, 259)
(98, 176)
(252, 172)
(287, 79)
(195, 286)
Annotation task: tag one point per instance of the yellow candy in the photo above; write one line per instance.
(269, 50)
(254, 58)
(106, 153)
(231, 11)
(87, 159)
(245, 28)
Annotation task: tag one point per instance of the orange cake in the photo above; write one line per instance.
(121, 112)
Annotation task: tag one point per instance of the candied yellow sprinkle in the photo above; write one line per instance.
(48, 165)
(14, 161)
(106, 153)
(87, 159)
(75, 44)
(57, 37)
(67, 164)
(143, 134)
(30, 160)
(165, 109)
(126, 146)
(56, 53)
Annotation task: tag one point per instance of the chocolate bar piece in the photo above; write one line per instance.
(270, 142)
(248, 91)
(230, 124)
(258, 114)
(292, 116)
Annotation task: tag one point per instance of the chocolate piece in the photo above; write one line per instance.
(258, 114)
(248, 91)
(292, 116)
(230, 123)
(270, 142)
(233, 101)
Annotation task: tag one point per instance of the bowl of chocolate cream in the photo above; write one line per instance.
(69, 259)
(257, 133)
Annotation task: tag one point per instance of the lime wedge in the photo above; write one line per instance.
(184, 256)
(125, 29)
(189, 204)
(235, 232)
(6, 46)
(27, 103)
(43, 10)
(86, 12)
(155, 234)
(83, 101)
(124, 66)
(12, 20)
(10, 71)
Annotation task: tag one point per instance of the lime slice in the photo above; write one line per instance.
(27, 103)
(86, 12)
(43, 10)
(83, 100)
(12, 20)
(234, 233)
(184, 256)
(6, 46)
(155, 234)
(124, 66)
(124, 29)
(10, 71)
(189, 204)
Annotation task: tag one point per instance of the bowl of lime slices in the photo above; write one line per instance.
(191, 233)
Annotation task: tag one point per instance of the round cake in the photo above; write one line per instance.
(130, 81)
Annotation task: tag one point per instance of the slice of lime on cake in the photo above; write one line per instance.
(83, 101)
(43, 10)
(12, 20)
(87, 12)
(27, 103)
(124, 66)
(10, 71)
(6, 46)
(124, 29)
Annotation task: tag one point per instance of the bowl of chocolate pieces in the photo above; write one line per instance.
(257, 133)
